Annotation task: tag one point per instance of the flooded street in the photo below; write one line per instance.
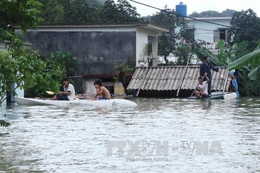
(159, 135)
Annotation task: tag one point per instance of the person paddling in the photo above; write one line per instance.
(68, 92)
(202, 88)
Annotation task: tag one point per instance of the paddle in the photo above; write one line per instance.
(50, 92)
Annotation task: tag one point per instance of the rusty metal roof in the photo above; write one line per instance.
(168, 78)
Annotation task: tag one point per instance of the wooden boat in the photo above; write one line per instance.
(78, 102)
(218, 95)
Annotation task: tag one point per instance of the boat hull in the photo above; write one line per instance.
(80, 102)
(218, 95)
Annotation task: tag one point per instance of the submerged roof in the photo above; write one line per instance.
(168, 78)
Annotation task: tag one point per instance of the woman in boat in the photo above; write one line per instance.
(68, 92)
(102, 92)
(202, 88)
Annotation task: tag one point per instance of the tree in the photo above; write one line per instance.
(245, 26)
(52, 11)
(58, 65)
(120, 12)
(18, 62)
(25, 13)
(167, 18)
(225, 13)
(238, 57)
(122, 70)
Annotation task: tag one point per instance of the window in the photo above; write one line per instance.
(189, 37)
(220, 34)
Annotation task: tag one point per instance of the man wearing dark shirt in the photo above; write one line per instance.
(206, 67)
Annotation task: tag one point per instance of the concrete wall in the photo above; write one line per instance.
(96, 51)
(141, 47)
(205, 31)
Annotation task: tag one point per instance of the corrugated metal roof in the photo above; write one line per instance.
(168, 78)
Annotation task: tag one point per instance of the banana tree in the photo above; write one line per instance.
(218, 59)
(248, 65)
(253, 60)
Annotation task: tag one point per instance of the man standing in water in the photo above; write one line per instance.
(68, 93)
(234, 83)
(102, 92)
(205, 68)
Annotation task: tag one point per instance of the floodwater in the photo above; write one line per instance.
(159, 135)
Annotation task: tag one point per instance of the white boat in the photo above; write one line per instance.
(78, 102)
(218, 95)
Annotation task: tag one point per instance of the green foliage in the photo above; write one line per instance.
(245, 26)
(52, 11)
(225, 13)
(4, 123)
(25, 13)
(167, 18)
(252, 58)
(255, 74)
(65, 61)
(18, 64)
(239, 58)
(183, 52)
(79, 12)
(120, 12)
(88, 11)
(238, 50)
(122, 70)
(202, 51)
(165, 46)
(58, 65)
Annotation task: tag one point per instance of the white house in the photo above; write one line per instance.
(209, 29)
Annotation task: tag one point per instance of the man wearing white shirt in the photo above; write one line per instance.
(68, 93)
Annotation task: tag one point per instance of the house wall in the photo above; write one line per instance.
(141, 47)
(205, 31)
(96, 51)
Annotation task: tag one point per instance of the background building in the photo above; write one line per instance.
(209, 29)
(98, 48)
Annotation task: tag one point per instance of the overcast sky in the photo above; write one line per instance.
(198, 5)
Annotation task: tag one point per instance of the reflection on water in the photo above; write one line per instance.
(159, 135)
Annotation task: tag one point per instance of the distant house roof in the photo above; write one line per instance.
(169, 78)
(208, 18)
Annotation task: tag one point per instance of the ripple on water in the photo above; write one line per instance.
(159, 135)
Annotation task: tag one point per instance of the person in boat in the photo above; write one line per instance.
(102, 92)
(202, 88)
(206, 67)
(234, 83)
(68, 92)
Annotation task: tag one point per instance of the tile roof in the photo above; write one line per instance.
(168, 78)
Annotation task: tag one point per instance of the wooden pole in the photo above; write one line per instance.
(141, 83)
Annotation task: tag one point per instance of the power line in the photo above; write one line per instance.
(179, 14)
(201, 20)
